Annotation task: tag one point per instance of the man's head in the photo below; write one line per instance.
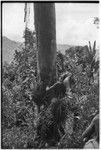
(68, 81)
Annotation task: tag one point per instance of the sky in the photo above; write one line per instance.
(74, 22)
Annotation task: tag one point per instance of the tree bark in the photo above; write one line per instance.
(45, 26)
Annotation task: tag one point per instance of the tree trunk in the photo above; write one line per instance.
(46, 41)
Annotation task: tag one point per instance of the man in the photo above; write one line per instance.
(92, 132)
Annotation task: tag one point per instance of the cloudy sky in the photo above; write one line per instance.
(74, 22)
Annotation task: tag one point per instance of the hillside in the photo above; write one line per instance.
(63, 47)
(9, 46)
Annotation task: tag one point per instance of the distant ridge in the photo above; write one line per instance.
(9, 46)
(63, 47)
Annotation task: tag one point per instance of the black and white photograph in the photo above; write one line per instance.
(50, 60)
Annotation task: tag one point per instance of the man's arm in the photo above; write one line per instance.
(92, 128)
(89, 131)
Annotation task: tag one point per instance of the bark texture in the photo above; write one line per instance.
(46, 41)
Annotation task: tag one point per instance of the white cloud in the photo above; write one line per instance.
(13, 16)
(73, 32)
(73, 22)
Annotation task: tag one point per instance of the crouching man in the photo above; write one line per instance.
(91, 134)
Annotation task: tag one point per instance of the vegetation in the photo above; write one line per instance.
(27, 120)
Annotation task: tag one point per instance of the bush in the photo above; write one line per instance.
(54, 125)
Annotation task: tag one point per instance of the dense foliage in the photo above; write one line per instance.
(23, 125)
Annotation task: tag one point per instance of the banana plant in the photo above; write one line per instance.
(92, 60)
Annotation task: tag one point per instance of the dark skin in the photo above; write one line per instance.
(56, 90)
(93, 129)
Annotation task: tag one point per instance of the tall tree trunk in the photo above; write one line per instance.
(46, 41)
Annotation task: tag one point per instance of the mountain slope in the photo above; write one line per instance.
(63, 47)
(8, 48)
